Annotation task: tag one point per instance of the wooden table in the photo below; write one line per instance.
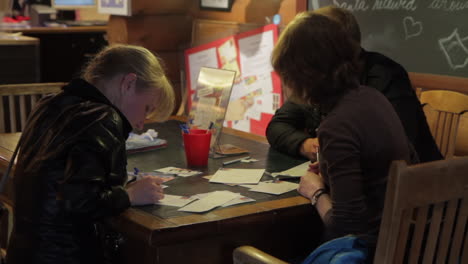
(286, 226)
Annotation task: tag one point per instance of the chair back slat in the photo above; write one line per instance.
(22, 110)
(425, 214)
(2, 116)
(464, 258)
(418, 235)
(403, 237)
(34, 99)
(13, 113)
(17, 102)
(433, 233)
(459, 234)
(461, 145)
(446, 232)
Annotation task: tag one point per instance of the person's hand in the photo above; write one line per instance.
(314, 167)
(147, 190)
(309, 148)
(309, 184)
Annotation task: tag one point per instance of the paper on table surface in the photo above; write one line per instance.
(297, 171)
(239, 200)
(238, 176)
(210, 201)
(178, 171)
(276, 188)
(176, 200)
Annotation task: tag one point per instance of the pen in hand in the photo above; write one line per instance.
(234, 161)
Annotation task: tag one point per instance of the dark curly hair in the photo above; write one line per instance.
(316, 59)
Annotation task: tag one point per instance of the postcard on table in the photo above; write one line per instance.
(178, 171)
(276, 188)
(294, 172)
(176, 200)
(210, 202)
(238, 176)
(239, 200)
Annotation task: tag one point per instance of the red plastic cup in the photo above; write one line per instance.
(197, 147)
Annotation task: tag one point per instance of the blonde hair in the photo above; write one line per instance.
(123, 59)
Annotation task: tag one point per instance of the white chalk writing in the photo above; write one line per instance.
(412, 28)
(454, 50)
(449, 5)
(409, 5)
(357, 5)
(363, 5)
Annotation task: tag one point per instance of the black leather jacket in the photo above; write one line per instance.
(69, 176)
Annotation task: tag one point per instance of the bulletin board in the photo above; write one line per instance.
(256, 93)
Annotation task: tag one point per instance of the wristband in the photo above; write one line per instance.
(319, 192)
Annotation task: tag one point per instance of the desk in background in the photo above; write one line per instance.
(19, 59)
(64, 50)
(286, 226)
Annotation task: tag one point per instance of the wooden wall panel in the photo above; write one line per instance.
(205, 31)
(152, 7)
(250, 11)
(153, 32)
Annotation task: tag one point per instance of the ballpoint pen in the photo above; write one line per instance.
(234, 161)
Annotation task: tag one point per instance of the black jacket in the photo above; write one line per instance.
(69, 176)
(291, 124)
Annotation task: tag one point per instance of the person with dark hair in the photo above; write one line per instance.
(360, 136)
(71, 170)
(289, 134)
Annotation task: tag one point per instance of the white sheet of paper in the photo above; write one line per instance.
(277, 188)
(210, 202)
(205, 58)
(255, 111)
(297, 171)
(239, 200)
(238, 176)
(242, 125)
(255, 52)
(176, 200)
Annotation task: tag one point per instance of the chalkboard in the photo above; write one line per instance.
(427, 36)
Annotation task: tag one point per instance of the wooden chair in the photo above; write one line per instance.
(17, 101)
(425, 213)
(424, 220)
(444, 110)
(251, 255)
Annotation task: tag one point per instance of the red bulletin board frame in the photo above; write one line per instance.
(256, 126)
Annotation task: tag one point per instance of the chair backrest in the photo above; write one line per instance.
(444, 110)
(17, 101)
(426, 213)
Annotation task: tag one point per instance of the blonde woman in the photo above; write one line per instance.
(71, 167)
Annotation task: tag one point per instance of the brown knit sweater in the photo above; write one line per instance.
(359, 139)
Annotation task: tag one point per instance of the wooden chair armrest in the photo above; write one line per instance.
(251, 255)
